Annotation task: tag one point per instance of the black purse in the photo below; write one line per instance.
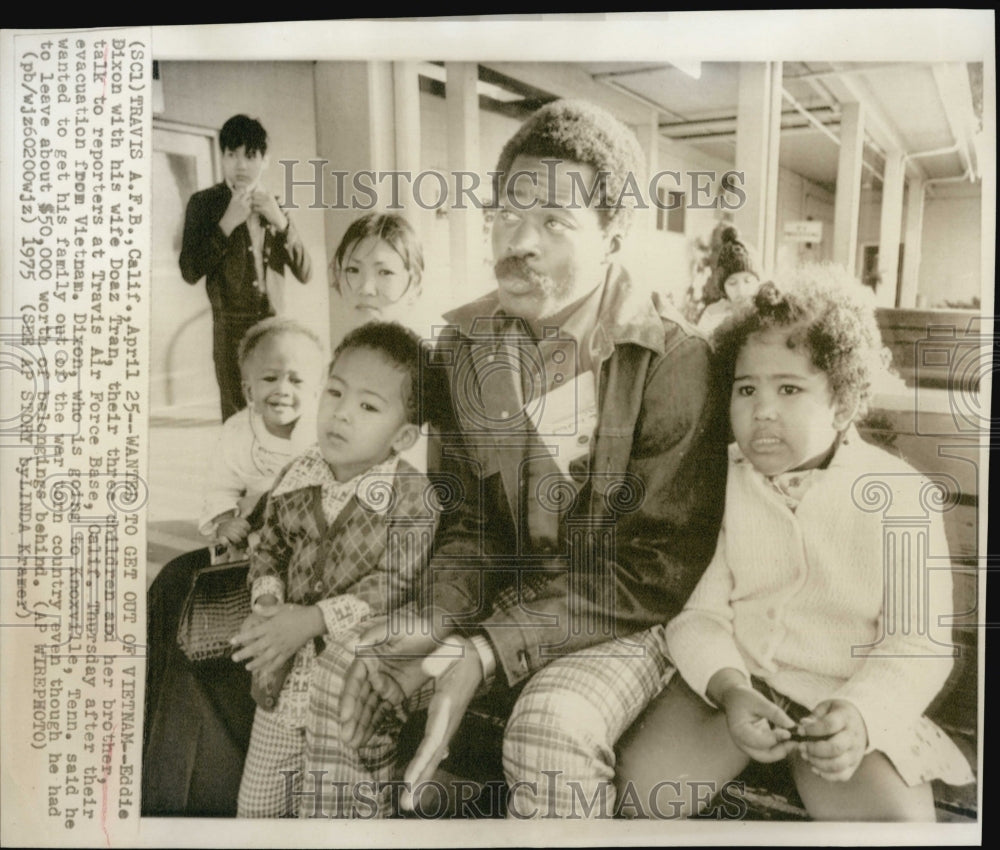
(216, 606)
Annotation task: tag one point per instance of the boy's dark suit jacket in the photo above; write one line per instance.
(227, 262)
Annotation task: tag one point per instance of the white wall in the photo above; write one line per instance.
(494, 131)
(666, 258)
(800, 199)
(951, 242)
(950, 262)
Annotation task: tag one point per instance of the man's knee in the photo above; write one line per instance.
(549, 728)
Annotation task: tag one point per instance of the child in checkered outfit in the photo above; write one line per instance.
(324, 563)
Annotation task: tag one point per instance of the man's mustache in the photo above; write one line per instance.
(518, 267)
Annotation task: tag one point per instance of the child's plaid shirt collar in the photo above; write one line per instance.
(373, 487)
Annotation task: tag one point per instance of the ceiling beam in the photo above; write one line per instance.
(721, 123)
(952, 83)
(877, 124)
(840, 72)
(639, 98)
(627, 72)
(786, 130)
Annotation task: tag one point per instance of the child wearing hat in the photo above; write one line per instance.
(736, 279)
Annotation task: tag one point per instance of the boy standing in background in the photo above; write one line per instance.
(239, 239)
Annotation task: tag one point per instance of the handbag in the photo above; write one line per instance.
(216, 606)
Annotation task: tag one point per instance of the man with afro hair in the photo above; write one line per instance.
(582, 478)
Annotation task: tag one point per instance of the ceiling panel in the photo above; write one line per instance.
(903, 101)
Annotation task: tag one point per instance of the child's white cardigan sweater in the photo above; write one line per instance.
(798, 599)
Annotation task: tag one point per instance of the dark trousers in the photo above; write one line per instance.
(198, 716)
(228, 330)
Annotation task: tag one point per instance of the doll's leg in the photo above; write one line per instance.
(876, 792)
(676, 756)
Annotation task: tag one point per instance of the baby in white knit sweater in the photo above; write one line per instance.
(282, 362)
(803, 640)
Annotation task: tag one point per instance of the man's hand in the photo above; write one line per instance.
(386, 671)
(265, 204)
(276, 638)
(236, 213)
(458, 679)
(838, 755)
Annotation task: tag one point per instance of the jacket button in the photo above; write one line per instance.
(318, 587)
(269, 702)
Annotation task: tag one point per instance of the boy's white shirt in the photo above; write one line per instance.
(248, 458)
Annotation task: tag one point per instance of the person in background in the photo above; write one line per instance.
(239, 239)
(378, 269)
(735, 278)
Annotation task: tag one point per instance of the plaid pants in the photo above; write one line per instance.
(559, 742)
(341, 781)
(274, 747)
(558, 751)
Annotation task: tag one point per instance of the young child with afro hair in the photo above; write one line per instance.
(804, 640)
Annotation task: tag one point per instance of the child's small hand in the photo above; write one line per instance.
(758, 726)
(838, 755)
(236, 213)
(255, 618)
(274, 639)
(265, 204)
(233, 531)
